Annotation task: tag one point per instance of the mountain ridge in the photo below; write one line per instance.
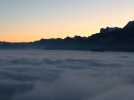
(108, 39)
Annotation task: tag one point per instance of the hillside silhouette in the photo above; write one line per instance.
(108, 39)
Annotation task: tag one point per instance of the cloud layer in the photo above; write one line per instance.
(66, 75)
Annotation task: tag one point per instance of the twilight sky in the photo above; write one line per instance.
(28, 20)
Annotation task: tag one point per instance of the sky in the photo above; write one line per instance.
(29, 20)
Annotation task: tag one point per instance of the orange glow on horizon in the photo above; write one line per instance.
(28, 32)
(34, 37)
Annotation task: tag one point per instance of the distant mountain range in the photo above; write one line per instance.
(108, 39)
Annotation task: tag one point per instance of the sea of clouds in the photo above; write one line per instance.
(66, 75)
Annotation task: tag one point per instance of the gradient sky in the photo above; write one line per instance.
(28, 20)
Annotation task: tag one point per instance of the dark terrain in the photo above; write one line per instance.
(108, 39)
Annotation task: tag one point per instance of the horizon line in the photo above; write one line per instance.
(75, 35)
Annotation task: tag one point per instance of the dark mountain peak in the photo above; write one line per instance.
(129, 26)
(109, 29)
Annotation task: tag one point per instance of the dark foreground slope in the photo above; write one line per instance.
(108, 39)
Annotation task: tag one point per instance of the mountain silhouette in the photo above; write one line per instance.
(118, 39)
(130, 26)
(108, 39)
